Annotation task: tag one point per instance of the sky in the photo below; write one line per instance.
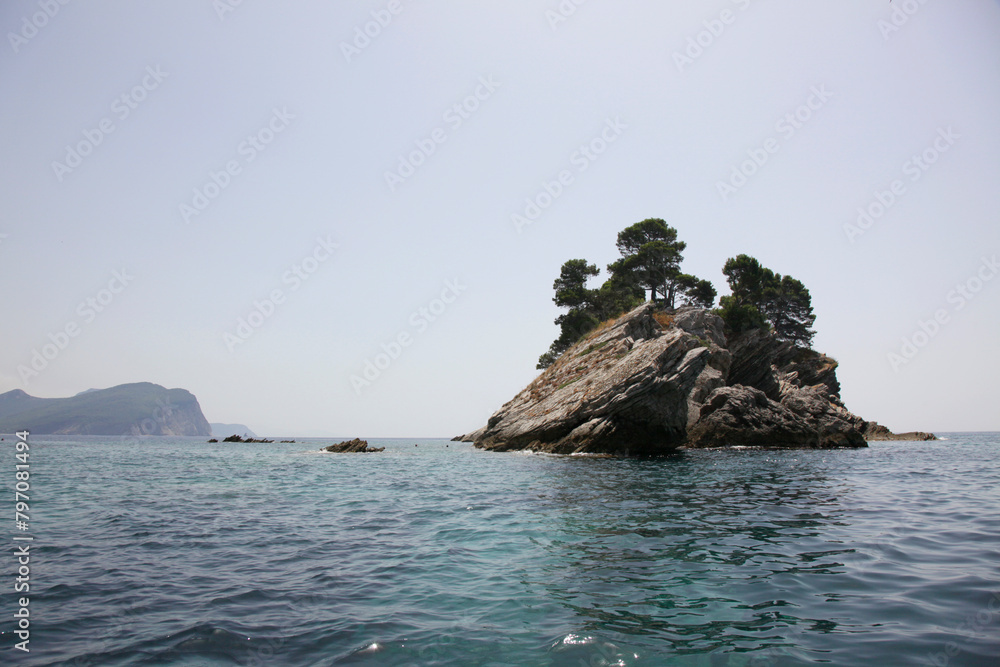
(344, 219)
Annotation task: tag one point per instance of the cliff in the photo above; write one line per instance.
(128, 409)
(651, 382)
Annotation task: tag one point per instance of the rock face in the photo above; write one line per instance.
(744, 416)
(631, 388)
(651, 382)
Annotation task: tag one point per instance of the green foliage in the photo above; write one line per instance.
(573, 326)
(586, 307)
(546, 360)
(651, 258)
(760, 296)
(571, 285)
(616, 296)
(747, 279)
(788, 305)
(740, 317)
(695, 292)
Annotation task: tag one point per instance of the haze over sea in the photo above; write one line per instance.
(172, 551)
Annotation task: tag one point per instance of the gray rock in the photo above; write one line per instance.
(356, 446)
(875, 432)
(632, 387)
(469, 437)
(745, 416)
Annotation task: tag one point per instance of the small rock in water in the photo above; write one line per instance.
(356, 446)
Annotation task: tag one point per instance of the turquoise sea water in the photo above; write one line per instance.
(171, 551)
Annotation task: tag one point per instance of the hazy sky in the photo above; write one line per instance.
(170, 168)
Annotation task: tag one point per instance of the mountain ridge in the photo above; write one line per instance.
(140, 408)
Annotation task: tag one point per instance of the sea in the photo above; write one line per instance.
(175, 551)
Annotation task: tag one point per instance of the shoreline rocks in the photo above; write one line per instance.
(652, 381)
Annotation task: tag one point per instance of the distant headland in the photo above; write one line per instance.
(135, 409)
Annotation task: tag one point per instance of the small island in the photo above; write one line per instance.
(356, 446)
(632, 377)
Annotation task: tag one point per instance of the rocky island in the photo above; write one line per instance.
(664, 376)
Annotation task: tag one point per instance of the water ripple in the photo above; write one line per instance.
(443, 555)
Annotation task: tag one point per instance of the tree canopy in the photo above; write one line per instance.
(650, 263)
(571, 285)
(651, 258)
(586, 307)
(699, 293)
(761, 297)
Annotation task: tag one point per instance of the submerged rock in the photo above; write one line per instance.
(356, 446)
(875, 431)
(248, 440)
(651, 382)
